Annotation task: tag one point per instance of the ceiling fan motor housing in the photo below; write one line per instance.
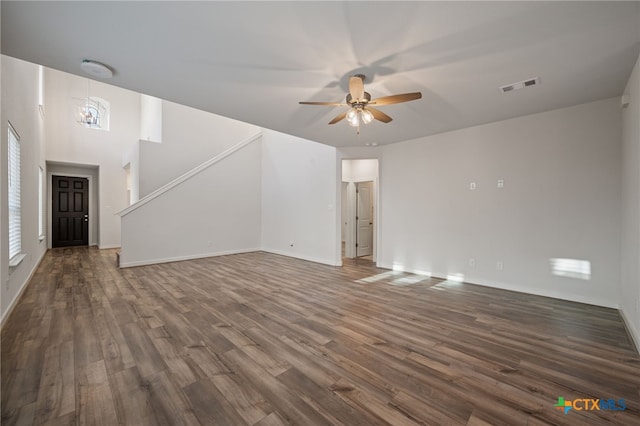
(363, 102)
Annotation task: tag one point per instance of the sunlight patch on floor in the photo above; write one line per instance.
(410, 280)
(378, 277)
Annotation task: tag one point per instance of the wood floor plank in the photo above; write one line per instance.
(131, 398)
(169, 402)
(245, 400)
(209, 333)
(426, 412)
(94, 401)
(272, 419)
(25, 416)
(324, 400)
(56, 397)
(288, 404)
(287, 350)
(115, 350)
(208, 361)
(146, 355)
(262, 339)
(210, 405)
(67, 420)
(23, 379)
(372, 405)
(182, 368)
(86, 345)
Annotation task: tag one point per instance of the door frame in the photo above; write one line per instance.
(93, 205)
(351, 192)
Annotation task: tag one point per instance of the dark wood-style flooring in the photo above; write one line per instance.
(260, 339)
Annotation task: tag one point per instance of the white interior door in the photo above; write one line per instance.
(364, 218)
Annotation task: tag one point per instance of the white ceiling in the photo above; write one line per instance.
(253, 61)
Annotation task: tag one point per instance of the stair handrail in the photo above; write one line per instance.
(188, 175)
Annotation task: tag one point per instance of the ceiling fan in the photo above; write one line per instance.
(360, 104)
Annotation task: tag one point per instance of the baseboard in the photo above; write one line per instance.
(108, 247)
(19, 294)
(224, 253)
(329, 262)
(183, 258)
(518, 289)
(547, 293)
(632, 331)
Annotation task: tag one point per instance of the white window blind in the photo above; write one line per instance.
(15, 229)
(40, 202)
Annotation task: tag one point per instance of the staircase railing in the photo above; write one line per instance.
(188, 175)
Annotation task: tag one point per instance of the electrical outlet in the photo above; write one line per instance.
(472, 186)
(500, 183)
(472, 262)
(499, 266)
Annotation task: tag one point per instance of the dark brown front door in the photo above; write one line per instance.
(70, 216)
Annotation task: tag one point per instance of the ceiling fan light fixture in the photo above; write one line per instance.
(353, 117)
(367, 117)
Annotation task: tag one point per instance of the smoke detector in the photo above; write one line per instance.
(96, 69)
(520, 85)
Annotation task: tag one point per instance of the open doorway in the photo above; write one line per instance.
(359, 209)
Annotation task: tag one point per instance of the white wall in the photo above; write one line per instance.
(561, 199)
(630, 287)
(299, 195)
(131, 164)
(359, 170)
(69, 142)
(189, 138)
(150, 118)
(20, 107)
(215, 212)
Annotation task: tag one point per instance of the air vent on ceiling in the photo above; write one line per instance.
(520, 85)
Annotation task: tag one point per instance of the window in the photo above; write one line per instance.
(40, 203)
(15, 229)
